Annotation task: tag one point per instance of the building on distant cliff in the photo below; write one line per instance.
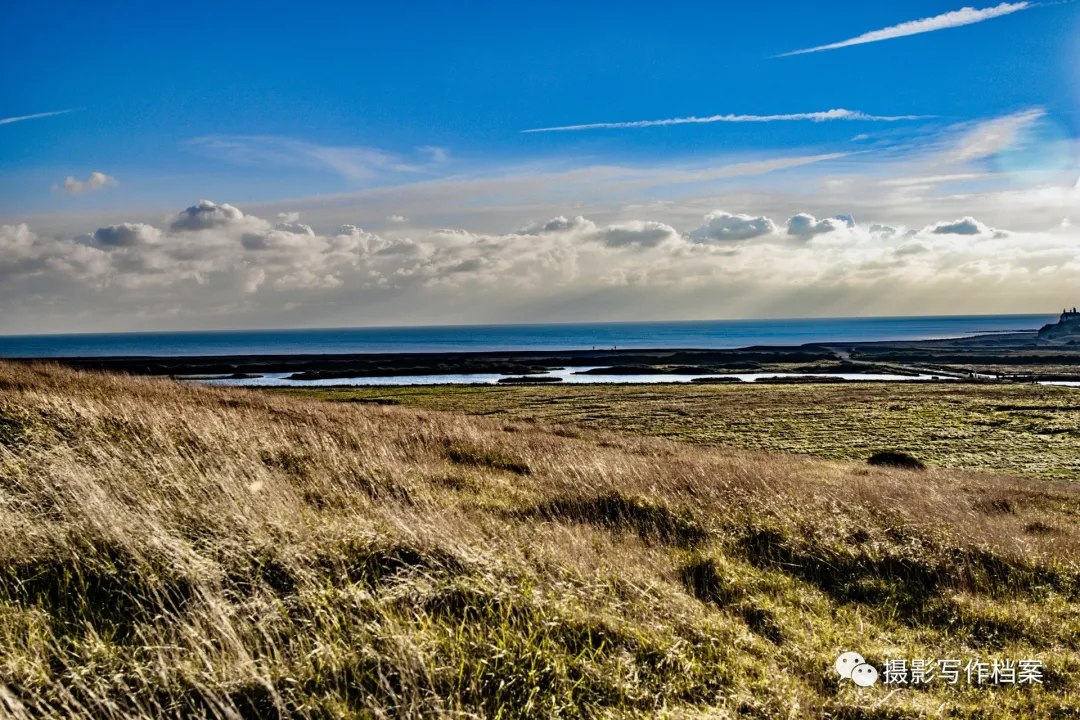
(1066, 329)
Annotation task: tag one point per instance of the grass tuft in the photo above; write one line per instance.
(488, 458)
(651, 521)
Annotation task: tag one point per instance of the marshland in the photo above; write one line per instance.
(177, 550)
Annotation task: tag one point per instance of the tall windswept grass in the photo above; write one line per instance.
(175, 551)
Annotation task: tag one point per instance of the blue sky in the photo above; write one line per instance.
(409, 117)
(147, 79)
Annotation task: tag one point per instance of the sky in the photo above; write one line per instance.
(272, 164)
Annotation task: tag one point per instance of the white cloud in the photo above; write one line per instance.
(396, 218)
(990, 137)
(353, 163)
(205, 215)
(884, 231)
(20, 118)
(824, 116)
(639, 233)
(929, 181)
(723, 226)
(96, 181)
(805, 226)
(437, 154)
(295, 228)
(126, 235)
(956, 18)
(560, 224)
(215, 264)
(255, 278)
(963, 226)
(24, 256)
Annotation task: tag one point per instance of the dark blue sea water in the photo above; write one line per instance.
(714, 334)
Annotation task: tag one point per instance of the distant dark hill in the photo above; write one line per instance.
(1062, 330)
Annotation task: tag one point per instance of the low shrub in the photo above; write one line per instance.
(897, 459)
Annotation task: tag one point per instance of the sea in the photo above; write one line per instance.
(712, 334)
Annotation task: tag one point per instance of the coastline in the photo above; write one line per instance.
(1016, 356)
(643, 336)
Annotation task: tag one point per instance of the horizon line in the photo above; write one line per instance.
(531, 324)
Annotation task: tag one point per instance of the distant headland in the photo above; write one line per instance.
(1066, 329)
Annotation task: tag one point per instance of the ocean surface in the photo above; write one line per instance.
(715, 334)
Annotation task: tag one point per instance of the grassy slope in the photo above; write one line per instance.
(167, 550)
(1022, 429)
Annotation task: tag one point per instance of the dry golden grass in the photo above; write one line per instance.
(168, 550)
(1012, 428)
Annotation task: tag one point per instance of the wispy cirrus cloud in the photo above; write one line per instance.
(824, 116)
(955, 18)
(351, 162)
(988, 137)
(20, 118)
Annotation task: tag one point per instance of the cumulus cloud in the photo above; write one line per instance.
(126, 235)
(560, 224)
(25, 255)
(396, 218)
(878, 230)
(723, 226)
(295, 228)
(217, 259)
(205, 215)
(963, 226)
(913, 247)
(805, 226)
(647, 234)
(96, 181)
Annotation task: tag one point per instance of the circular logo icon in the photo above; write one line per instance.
(848, 662)
(864, 675)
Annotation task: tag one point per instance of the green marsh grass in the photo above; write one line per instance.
(1010, 428)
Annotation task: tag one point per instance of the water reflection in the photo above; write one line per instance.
(568, 376)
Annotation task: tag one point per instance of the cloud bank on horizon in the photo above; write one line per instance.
(215, 265)
(956, 18)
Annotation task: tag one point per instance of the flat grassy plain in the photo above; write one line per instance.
(1010, 428)
(177, 551)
